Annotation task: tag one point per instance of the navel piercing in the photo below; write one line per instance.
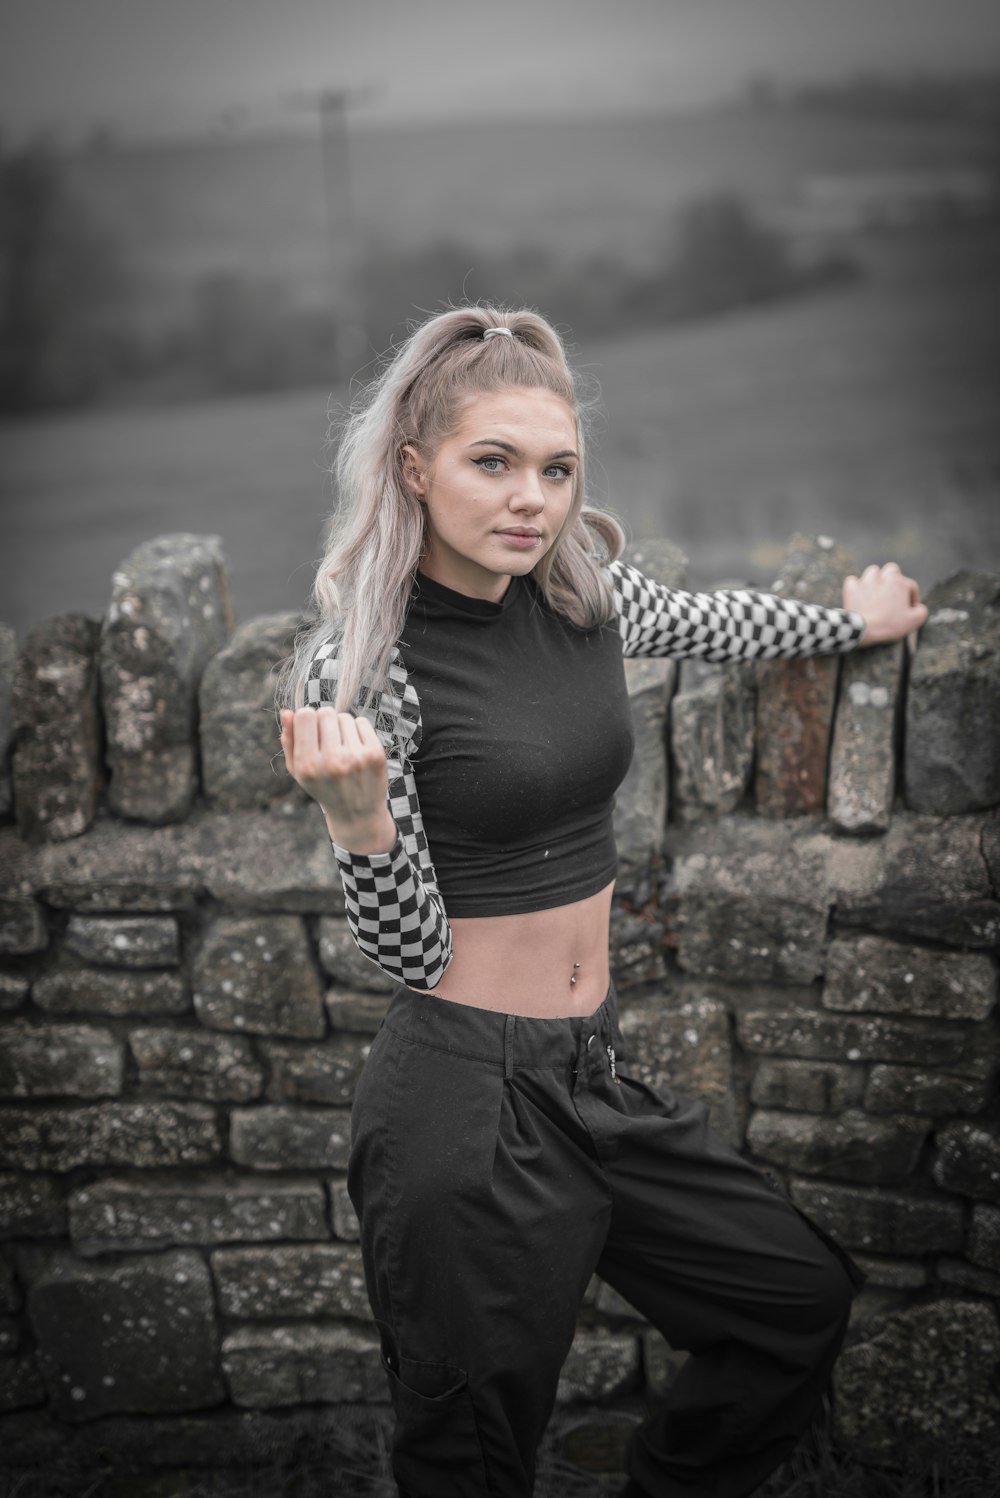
(573, 979)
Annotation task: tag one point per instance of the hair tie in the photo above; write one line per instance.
(489, 333)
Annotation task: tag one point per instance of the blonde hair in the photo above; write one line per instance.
(375, 537)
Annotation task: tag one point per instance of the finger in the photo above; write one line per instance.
(914, 590)
(339, 732)
(870, 573)
(305, 731)
(892, 567)
(366, 733)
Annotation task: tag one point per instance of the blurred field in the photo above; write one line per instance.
(575, 188)
(869, 413)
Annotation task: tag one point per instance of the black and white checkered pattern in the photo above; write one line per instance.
(730, 624)
(393, 907)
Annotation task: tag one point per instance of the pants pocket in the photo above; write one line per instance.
(436, 1449)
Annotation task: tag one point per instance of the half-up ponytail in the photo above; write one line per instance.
(375, 537)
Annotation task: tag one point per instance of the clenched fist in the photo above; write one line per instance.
(339, 761)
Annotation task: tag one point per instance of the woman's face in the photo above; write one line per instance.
(497, 491)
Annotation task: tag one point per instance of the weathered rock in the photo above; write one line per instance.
(284, 1137)
(953, 701)
(880, 1221)
(751, 901)
(321, 1280)
(8, 661)
(870, 973)
(927, 1372)
(138, 1334)
(968, 1277)
(892, 1274)
(277, 863)
(795, 698)
(598, 1365)
(661, 1363)
(257, 974)
(31, 1206)
(828, 1037)
(659, 559)
(683, 1046)
(341, 958)
(910, 1089)
(22, 928)
(57, 766)
(637, 944)
(72, 990)
(310, 1073)
(594, 1440)
(967, 1160)
(125, 941)
(21, 1385)
(640, 813)
(119, 1134)
(358, 1012)
(807, 1086)
(10, 1292)
(989, 843)
(711, 738)
(866, 730)
(870, 1308)
(929, 880)
(59, 1061)
(191, 1064)
(268, 1366)
(983, 1246)
(169, 613)
(241, 761)
(216, 1439)
(110, 1216)
(853, 1147)
(13, 991)
(342, 1213)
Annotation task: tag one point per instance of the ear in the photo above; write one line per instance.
(414, 476)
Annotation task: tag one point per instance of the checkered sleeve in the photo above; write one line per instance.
(730, 624)
(394, 909)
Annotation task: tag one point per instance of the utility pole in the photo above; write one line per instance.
(347, 291)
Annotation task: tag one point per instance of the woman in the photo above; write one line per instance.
(472, 727)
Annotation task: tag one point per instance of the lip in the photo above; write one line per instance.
(521, 540)
(524, 532)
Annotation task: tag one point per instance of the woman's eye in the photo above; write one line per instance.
(558, 471)
(484, 463)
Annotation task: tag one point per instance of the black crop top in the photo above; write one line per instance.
(514, 732)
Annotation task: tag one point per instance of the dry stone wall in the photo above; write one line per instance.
(805, 934)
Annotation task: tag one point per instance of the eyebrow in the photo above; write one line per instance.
(508, 447)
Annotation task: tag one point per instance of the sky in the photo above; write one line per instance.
(177, 67)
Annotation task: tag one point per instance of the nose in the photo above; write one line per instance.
(529, 496)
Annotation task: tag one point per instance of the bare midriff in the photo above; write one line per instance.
(526, 964)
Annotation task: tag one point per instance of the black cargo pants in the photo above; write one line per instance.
(497, 1162)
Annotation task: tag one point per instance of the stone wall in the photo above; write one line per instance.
(805, 934)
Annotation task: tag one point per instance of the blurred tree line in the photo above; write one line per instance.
(72, 333)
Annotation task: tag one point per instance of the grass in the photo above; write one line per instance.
(354, 1463)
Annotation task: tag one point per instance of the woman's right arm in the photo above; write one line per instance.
(366, 789)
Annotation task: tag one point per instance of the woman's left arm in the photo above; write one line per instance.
(743, 624)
